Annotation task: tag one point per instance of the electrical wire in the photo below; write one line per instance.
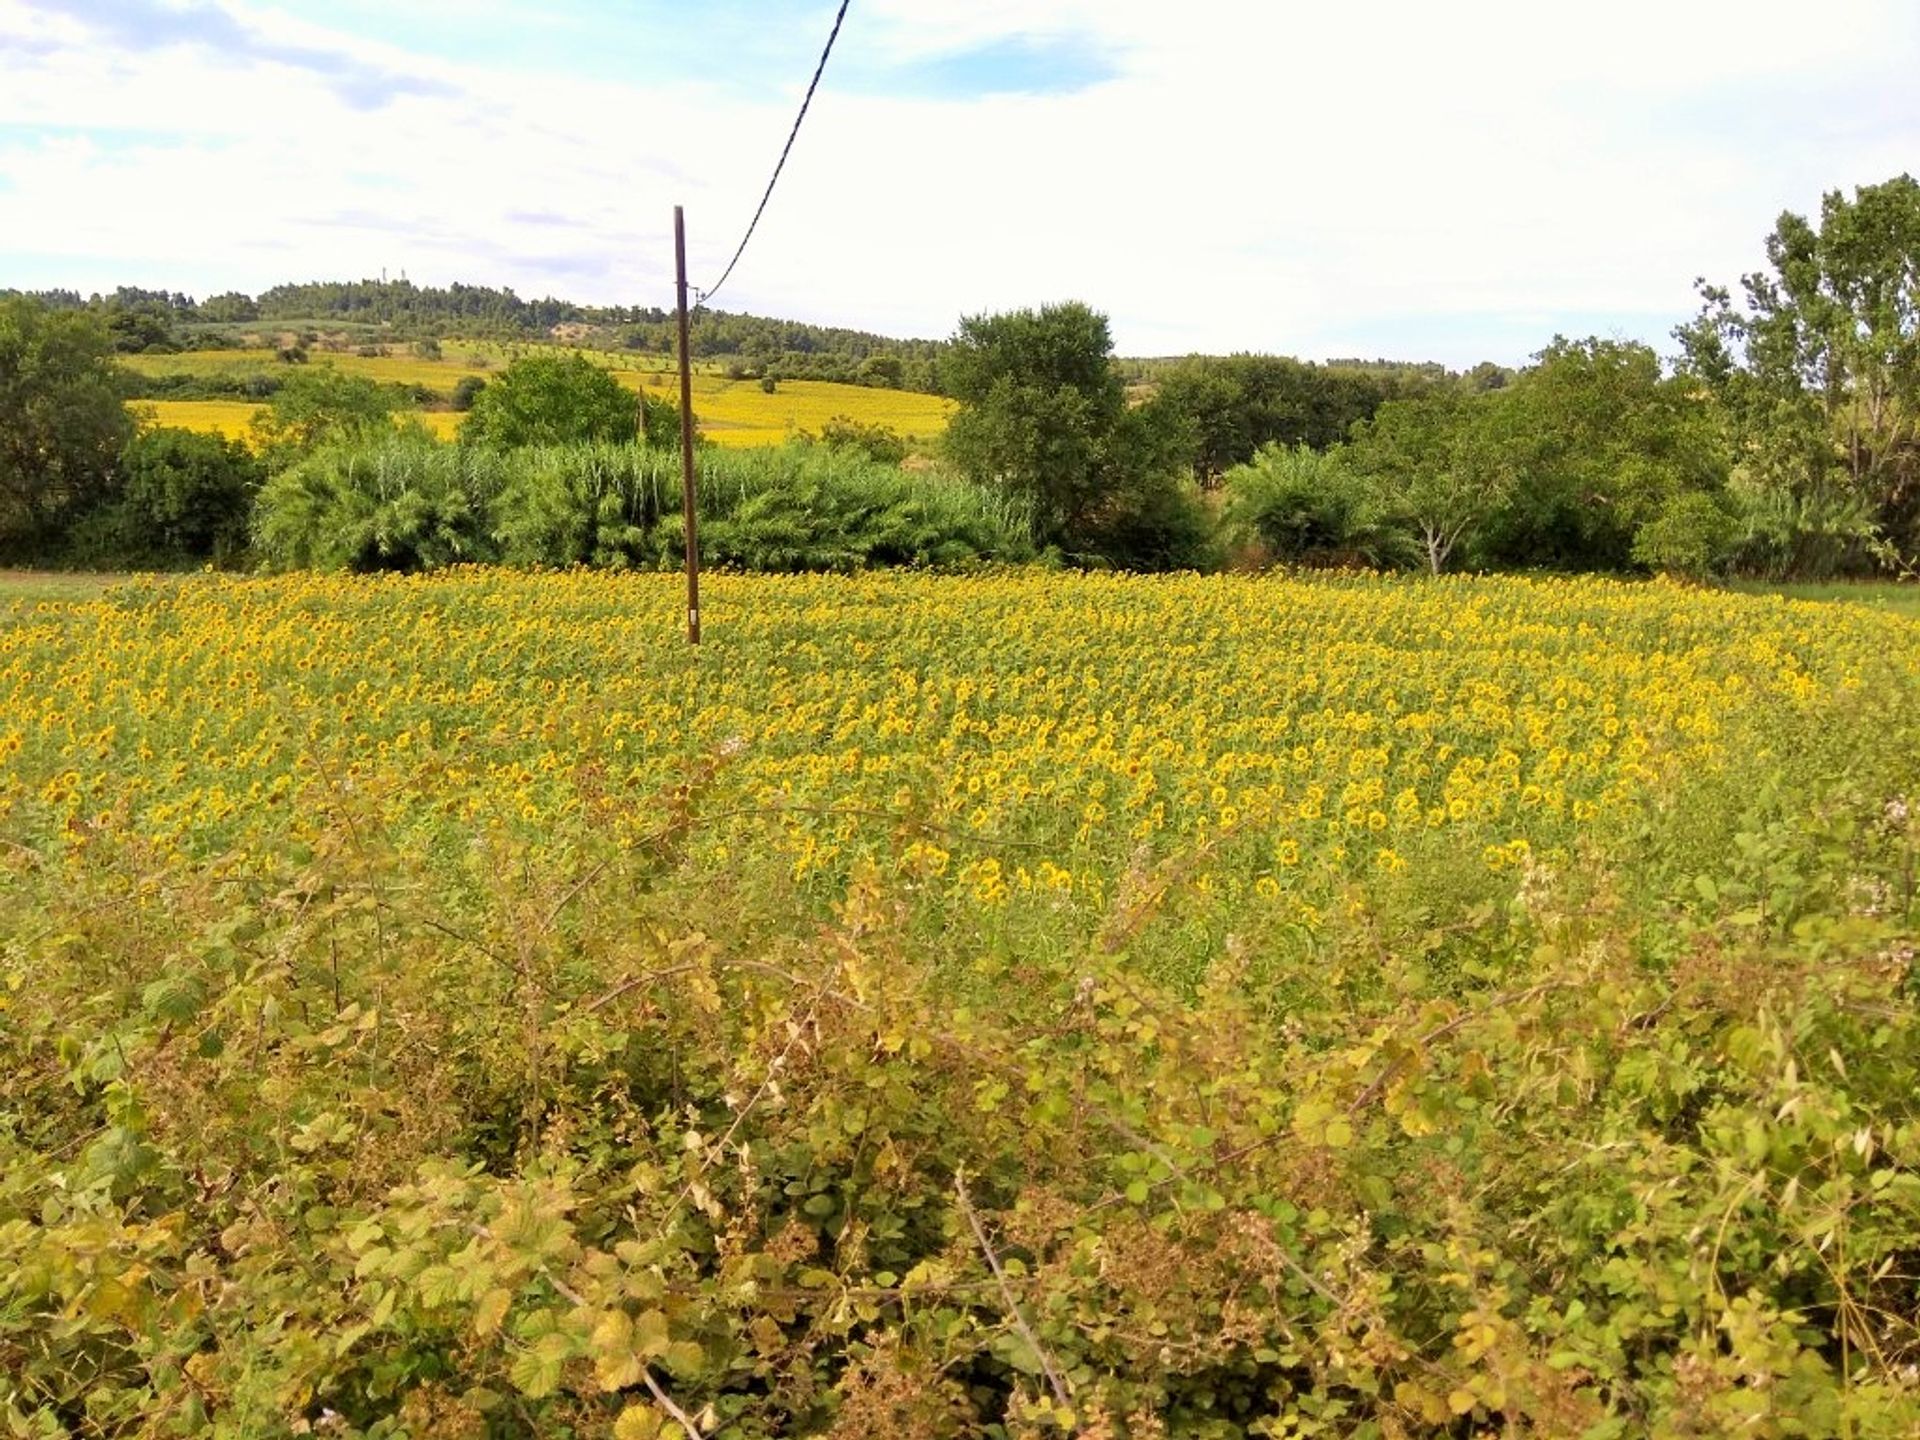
(818, 70)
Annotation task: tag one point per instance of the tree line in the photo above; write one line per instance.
(143, 321)
(1780, 440)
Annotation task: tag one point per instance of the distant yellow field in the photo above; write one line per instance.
(730, 412)
(234, 418)
(459, 357)
(231, 418)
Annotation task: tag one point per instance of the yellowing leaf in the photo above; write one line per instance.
(637, 1422)
(536, 1370)
(491, 1310)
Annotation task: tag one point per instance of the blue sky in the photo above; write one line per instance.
(1400, 179)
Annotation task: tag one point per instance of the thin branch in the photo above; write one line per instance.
(1394, 1069)
(1006, 1294)
(573, 891)
(578, 1301)
(628, 986)
(665, 1402)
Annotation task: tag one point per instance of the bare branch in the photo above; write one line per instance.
(1058, 1385)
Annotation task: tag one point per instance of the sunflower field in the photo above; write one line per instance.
(1013, 1004)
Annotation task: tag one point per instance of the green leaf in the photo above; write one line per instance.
(536, 1370)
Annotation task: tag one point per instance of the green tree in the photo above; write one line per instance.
(551, 400)
(1819, 368)
(1600, 441)
(179, 498)
(1232, 406)
(62, 420)
(1044, 420)
(1040, 408)
(1445, 464)
(320, 407)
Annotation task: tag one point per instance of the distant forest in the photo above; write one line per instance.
(143, 321)
(751, 346)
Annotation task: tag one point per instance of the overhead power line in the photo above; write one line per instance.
(812, 85)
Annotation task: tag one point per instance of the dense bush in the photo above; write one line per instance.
(1808, 535)
(876, 442)
(321, 407)
(466, 390)
(179, 498)
(409, 504)
(1305, 507)
(582, 504)
(813, 508)
(400, 504)
(1690, 537)
(234, 384)
(551, 400)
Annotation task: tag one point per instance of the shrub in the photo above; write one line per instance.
(1305, 507)
(582, 505)
(876, 442)
(321, 407)
(403, 504)
(1816, 535)
(800, 507)
(466, 390)
(180, 498)
(551, 400)
(1690, 537)
(408, 504)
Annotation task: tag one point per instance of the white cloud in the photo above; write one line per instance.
(1405, 179)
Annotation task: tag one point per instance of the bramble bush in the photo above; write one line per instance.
(573, 1142)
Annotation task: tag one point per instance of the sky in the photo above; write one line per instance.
(1400, 178)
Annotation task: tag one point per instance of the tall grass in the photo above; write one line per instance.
(408, 505)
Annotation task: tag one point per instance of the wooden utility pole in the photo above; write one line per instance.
(686, 433)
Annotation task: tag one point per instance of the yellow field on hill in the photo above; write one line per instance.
(459, 358)
(231, 418)
(730, 412)
(234, 418)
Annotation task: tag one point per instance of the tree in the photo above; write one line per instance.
(62, 420)
(1443, 463)
(1230, 407)
(1040, 405)
(179, 498)
(1600, 441)
(323, 407)
(1044, 419)
(1820, 367)
(551, 400)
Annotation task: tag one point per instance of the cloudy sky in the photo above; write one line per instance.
(1400, 178)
